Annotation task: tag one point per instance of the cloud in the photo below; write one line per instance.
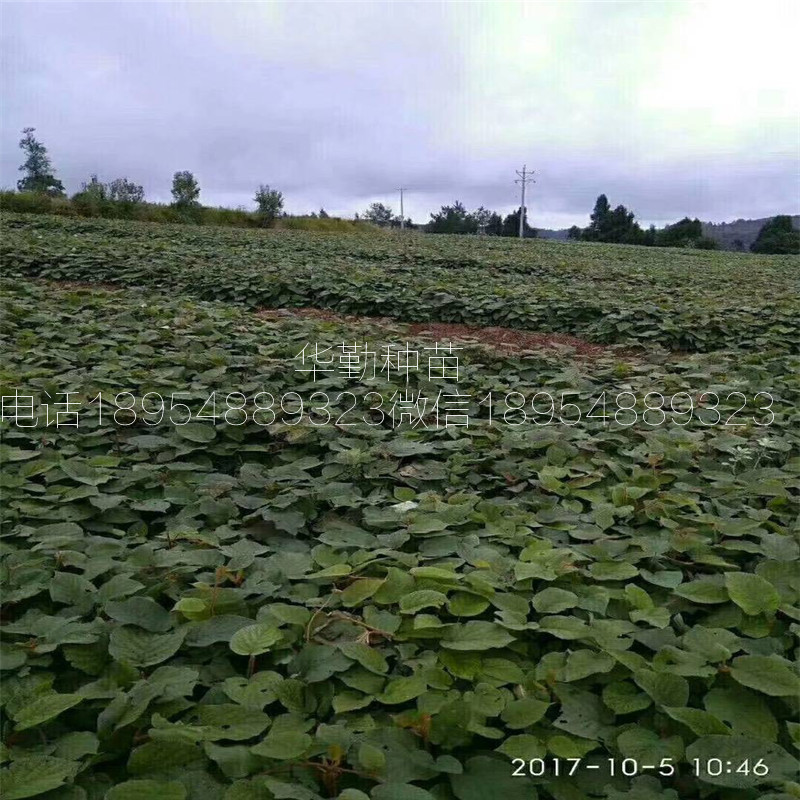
(670, 108)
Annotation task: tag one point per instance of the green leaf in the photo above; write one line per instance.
(612, 571)
(141, 611)
(400, 791)
(369, 658)
(358, 591)
(485, 776)
(79, 470)
(283, 745)
(44, 708)
(401, 690)
(564, 627)
(703, 590)
(746, 712)
(768, 674)
(699, 722)
(464, 604)
(476, 635)
(370, 757)
(665, 688)
(231, 722)
(147, 790)
(34, 775)
(423, 598)
(163, 755)
(583, 663)
(553, 600)
(647, 747)
(141, 648)
(752, 593)
(523, 746)
(198, 432)
(622, 697)
(254, 640)
(524, 713)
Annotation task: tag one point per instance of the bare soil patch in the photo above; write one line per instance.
(506, 339)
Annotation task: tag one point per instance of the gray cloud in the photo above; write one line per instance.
(337, 104)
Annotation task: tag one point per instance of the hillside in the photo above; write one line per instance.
(727, 234)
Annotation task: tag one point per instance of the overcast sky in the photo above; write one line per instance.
(671, 108)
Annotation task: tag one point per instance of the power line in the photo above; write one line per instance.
(523, 180)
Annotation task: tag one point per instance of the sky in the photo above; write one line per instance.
(670, 108)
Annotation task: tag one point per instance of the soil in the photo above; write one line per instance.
(508, 339)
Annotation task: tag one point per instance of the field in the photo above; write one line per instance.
(235, 579)
(682, 299)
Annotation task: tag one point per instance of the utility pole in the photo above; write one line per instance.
(402, 214)
(524, 179)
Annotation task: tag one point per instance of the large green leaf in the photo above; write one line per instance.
(34, 775)
(476, 635)
(752, 593)
(147, 790)
(44, 708)
(142, 648)
(255, 639)
(767, 674)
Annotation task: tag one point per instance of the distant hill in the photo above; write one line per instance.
(547, 233)
(738, 235)
(728, 234)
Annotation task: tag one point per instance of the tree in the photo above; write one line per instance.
(39, 176)
(323, 214)
(574, 233)
(379, 214)
(185, 190)
(90, 201)
(607, 225)
(778, 237)
(269, 202)
(482, 217)
(453, 219)
(94, 188)
(683, 233)
(622, 228)
(511, 226)
(121, 190)
(598, 220)
(494, 227)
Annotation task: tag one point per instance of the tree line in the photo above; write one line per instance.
(618, 225)
(454, 219)
(122, 197)
(40, 191)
